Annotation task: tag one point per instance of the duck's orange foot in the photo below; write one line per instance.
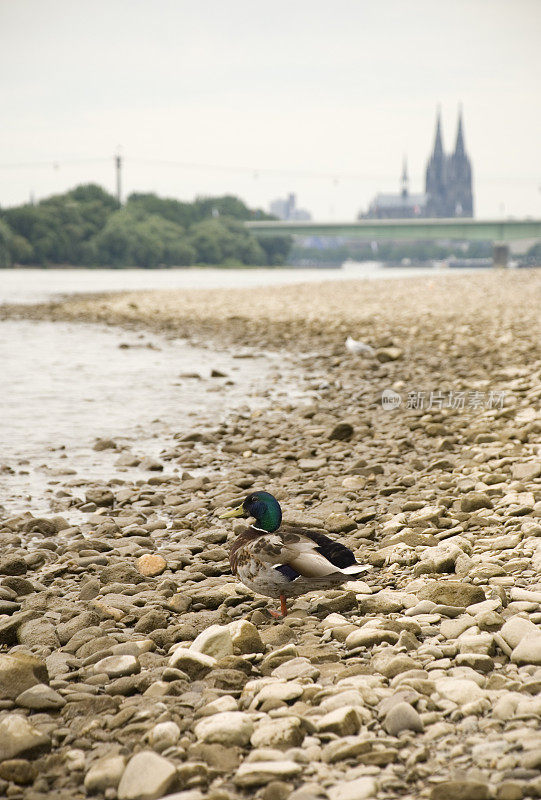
(283, 608)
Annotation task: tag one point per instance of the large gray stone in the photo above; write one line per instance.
(259, 773)
(245, 637)
(105, 774)
(18, 672)
(40, 698)
(38, 633)
(526, 471)
(215, 642)
(118, 666)
(194, 664)
(164, 735)
(473, 501)
(451, 593)
(18, 737)
(518, 628)
(459, 690)
(281, 732)
(345, 747)
(357, 789)
(11, 564)
(528, 650)
(343, 721)
(80, 622)
(229, 728)
(460, 790)
(368, 637)
(403, 717)
(148, 776)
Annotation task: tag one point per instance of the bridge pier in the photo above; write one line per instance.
(500, 254)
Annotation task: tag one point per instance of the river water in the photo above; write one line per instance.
(65, 384)
(38, 285)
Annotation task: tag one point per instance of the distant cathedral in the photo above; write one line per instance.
(448, 186)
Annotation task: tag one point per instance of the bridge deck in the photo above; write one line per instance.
(408, 229)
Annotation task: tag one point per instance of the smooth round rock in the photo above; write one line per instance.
(164, 735)
(19, 771)
(18, 737)
(117, 666)
(403, 717)
(40, 698)
(150, 565)
(228, 728)
(259, 773)
(358, 789)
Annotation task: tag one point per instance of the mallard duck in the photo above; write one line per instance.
(283, 561)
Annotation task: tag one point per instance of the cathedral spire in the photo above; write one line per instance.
(404, 180)
(438, 141)
(459, 147)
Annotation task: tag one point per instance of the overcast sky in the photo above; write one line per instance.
(319, 97)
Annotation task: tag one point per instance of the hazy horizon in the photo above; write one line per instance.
(319, 99)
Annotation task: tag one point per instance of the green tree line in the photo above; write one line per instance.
(87, 227)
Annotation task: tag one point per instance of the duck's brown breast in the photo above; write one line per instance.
(247, 536)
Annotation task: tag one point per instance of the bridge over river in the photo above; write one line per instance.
(499, 231)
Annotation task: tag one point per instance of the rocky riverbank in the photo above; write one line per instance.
(133, 665)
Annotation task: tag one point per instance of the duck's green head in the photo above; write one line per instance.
(263, 507)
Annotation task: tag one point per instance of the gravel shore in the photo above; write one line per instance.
(134, 666)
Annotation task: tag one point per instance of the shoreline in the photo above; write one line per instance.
(323, 313)
(419, 681)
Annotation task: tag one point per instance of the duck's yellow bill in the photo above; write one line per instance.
(233, 512)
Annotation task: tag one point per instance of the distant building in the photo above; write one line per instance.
(448, 186)
(287, 209)
(398, 206)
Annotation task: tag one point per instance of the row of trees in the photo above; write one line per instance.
(86, 226)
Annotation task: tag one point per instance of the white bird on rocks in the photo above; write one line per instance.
(359, 348)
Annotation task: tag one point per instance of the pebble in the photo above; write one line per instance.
(228, 727)
(147, 776)
(19, 771)
(105, 773)
(259, 773)
(516, 629)
(452, 593)
(342, 721)
(40, 698)
(117, 666)
(215, 641)
(296, 669)
(151, 565)
(403, 717)
(346, 747)
(245, 637)
(18, 672)
(18, 737)
(473, 501)
(357, 789)
(528, 650)
(281, 732)
(459, 690)
(460, 790)
(195, 665)
(370, 637)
